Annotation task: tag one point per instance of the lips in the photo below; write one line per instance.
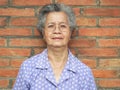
(57, 38)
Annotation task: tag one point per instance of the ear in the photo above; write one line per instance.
(43, 35)
(71, 34)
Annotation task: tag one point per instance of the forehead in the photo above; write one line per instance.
(57, 17)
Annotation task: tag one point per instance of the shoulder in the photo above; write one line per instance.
(31, 63)
(85, 76)
(80, 67)
(28, 67)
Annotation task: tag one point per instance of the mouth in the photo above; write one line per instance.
(57, 38)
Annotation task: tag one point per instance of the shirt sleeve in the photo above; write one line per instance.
(89, 83)
(21, 83)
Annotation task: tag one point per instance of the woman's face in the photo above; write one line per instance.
(57, 31)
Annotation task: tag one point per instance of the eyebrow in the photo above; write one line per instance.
(58, 23)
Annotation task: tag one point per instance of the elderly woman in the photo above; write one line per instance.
(56, 68)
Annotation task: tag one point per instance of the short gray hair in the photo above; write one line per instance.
(56, 8)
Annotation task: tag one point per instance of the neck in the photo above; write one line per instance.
(57, 56)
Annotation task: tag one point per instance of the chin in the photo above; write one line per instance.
(58, 46)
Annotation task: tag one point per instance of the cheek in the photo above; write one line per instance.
(68, 35)
(46, 36)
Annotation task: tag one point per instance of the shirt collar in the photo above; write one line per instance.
(43, 62)
(71, 63)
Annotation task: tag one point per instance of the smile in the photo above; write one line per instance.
(57, 38)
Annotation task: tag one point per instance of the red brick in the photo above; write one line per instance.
(78, 2)
(3, 2)
(14, 52)
(16, 62)
(110, 22)
(100, 32)
(30, 2)
(109, 63)
(102, 11)
(27, 42)
(15, 32)
(16, 12)
(110, 2)
(82, 43)
(89, 62)
(105, 73)
(8, 72)
(109, 42)
(2, 21)
(97, 47)
(2, 42)
(109, 83)
(86, 21)
(37, 33)
(4, 62)
(4, 83)
(21, 21)
(76, 11)
(99, 52)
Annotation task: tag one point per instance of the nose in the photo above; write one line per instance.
(57, 30)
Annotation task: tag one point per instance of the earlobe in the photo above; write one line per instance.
(71, 34)
(43, 35)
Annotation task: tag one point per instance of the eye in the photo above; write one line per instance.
(50, 26)
(63, 26)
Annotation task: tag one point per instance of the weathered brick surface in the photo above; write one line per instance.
(110, 2)
(30, 2)
(16, 12)
(96, 42)
(3, 2)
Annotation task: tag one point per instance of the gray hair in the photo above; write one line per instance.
(56, 8)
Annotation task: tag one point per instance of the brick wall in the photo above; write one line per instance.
(96, 41)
